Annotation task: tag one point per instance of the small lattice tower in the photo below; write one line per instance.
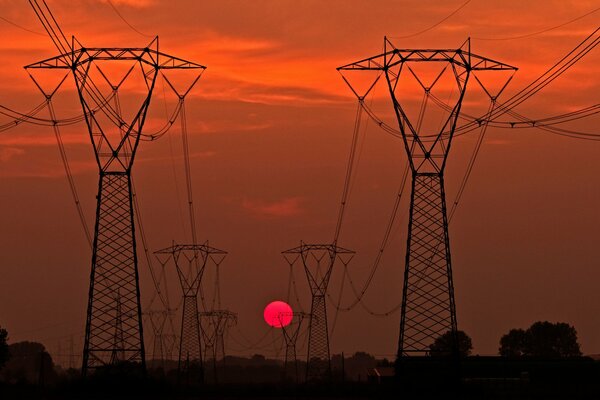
(290, 336)
(318, 261)
(190, 262)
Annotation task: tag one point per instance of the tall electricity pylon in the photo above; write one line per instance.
(318, 261)
(190, 261)
(100, 74)
(428, 307)
(290, 336)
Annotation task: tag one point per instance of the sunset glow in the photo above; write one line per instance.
(278, 314)
(270, 126)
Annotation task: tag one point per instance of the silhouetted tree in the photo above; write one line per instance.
(513, 344)
(444, 344)
(3, 347)
(29, 362)
(542, 339)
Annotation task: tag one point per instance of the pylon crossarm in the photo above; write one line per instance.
(151, 57)
(458, 57)
(304, 247)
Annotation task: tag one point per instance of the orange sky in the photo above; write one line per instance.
(270, 129)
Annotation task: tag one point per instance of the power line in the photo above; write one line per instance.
(434, 25)
(124, 20)
(543, 30)
(21, 27)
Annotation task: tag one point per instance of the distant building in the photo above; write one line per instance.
(380, 374)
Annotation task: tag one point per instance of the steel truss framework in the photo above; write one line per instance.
(290, 336)
(190, 262)
(213, 333)
(428, 307)
(163, 343)
(114, 332)
(318, 261)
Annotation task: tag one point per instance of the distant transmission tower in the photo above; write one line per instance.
(213, 332)
(318, 261)
(99, 76)
(190, 261)
(162, 343)
(428, 308)
(290, 336)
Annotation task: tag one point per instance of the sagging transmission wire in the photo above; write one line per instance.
(522, 122)
(31, 118)
(69, 173)
(556, 70)
(528, 35)
(187, 168)
(560, 131)
(349, 169)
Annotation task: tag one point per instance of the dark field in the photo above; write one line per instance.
(480, 378)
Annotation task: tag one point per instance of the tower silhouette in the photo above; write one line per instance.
(213, 333)
(290, 336)
(318, 261)
(162, 343)
(101, 74)
(428, 307)
(190, 261)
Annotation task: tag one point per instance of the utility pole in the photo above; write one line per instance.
(428, 305)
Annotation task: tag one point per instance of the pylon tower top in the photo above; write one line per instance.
(100, 73)
(312, 256)
(440, 77)
(196, 256)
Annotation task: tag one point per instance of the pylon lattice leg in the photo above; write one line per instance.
(428, 308)
(190, 350)
(319, 365)
(114, 297)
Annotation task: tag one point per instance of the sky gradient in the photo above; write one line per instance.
(270, 126)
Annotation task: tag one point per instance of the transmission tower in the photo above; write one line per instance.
(162, 344)
(290, 336)
(428, 307)
(99, 75)
(213, 333)
(190, 261)
(118, 354)
(318, 261)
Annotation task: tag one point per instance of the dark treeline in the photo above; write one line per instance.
(543, 361)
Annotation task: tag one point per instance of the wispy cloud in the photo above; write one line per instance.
(7, 153)
(131, 3)
(286, 207)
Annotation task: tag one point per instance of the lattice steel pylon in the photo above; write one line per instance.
(100, 74)
(213, 333)
(290, 333)
(428, 306)
(162, 342)
(318, 365)
(190, 262)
